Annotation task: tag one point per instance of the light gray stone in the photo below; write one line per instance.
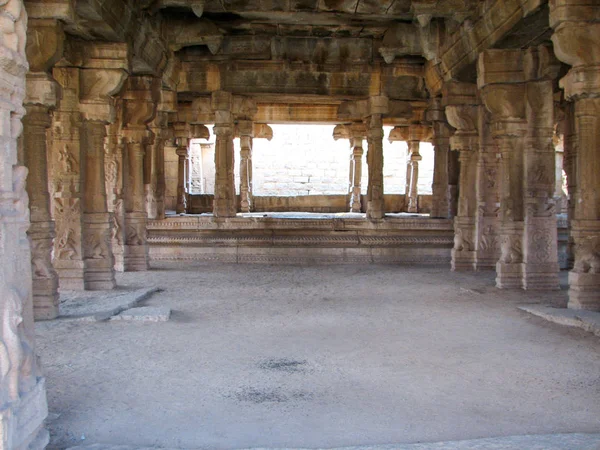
(586, 320)
(96, 306)
(573, 441)
(145, 314)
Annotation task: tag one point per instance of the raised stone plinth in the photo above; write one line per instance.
(302, 240)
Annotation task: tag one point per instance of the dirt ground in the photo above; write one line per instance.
(327, 356)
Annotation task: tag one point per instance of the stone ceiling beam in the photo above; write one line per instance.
(463, 46)
(273, 77)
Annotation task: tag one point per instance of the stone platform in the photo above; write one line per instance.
(301, 238)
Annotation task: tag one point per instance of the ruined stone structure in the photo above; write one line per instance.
(105, 96)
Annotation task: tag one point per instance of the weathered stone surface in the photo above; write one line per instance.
(586, 320)
(98, 306)
(144, 314)
(579, 441)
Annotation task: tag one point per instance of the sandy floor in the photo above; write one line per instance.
(319, 356)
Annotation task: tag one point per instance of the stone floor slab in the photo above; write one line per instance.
(586, 320)
(95, 306)
(145, 314)
(579, 441)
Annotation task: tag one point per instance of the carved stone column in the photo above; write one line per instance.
(355, 133)
(357, 136)
(41, 232)
(245, 130)
(460, 101)
(488, 196)
(517, 89)
(65, 181)
(570, 166)
(440, 203)
(140, 97)
(23, 406)
(162, 134)
(45, 46)
(506, 103)
(576, 41)
(114, 168)
(225, 199)
(98, 257)
(98, 111)
(182, 137)
(377, 107)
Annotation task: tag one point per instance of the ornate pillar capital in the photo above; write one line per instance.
(576, 42)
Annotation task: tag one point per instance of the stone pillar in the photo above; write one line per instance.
(245, 130)
(82, 219)
(517, 89)
(488, 196)
(162, 134)
(540, 243)
(440, 203)
(140, 96)
(97, 221)
(183, 134)
(97, 86)
(114, 169)
(570, 165)
(65, 181)
(45, 47)
(23, 406)
(377, 107)
(453, 178)
(576, 41)
(414, 157)
(225, 199)
(41, 232)
(357, 135)
(460, 101)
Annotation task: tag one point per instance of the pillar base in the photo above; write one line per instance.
(99, 262)
(45, 298)
(584, 291)
(541, 277)
(485, 263)
(136, 258)
(355, 205)
(22, 423)
(463, 260)
(44, 277)
(375, 210)
(70, 274)
(135, 252)
(509, 275)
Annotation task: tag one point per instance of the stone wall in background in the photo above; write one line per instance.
(305, 160)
